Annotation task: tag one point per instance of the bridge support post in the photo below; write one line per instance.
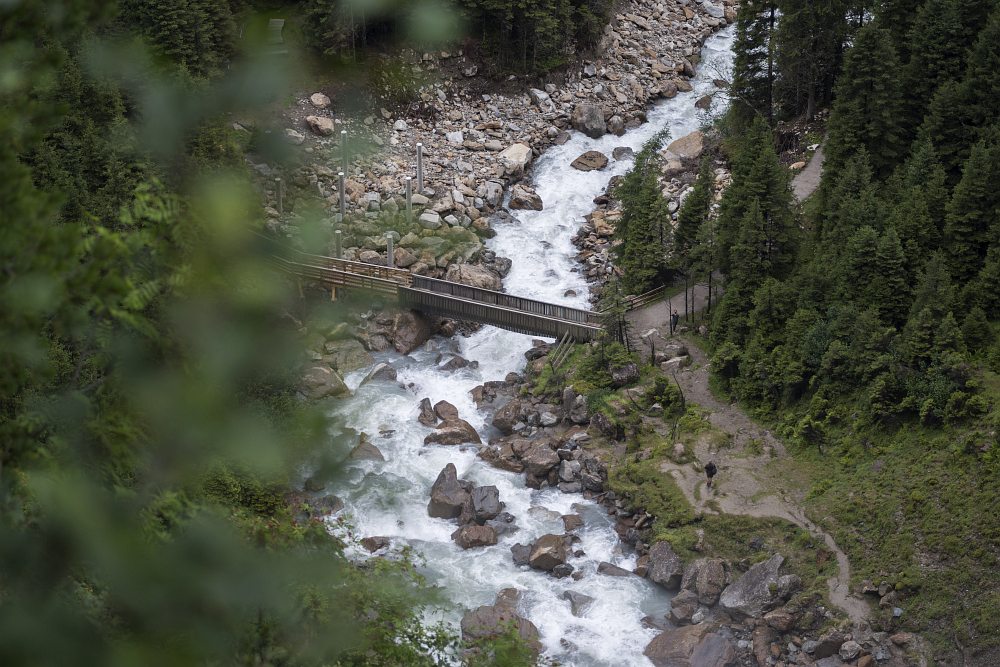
(333, 293)
(390, 260)
(279, 195)
(343, 150)
(420, 168)
(337, 249)
(409, 200)
(343, 196)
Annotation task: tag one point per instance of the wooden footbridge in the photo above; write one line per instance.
(439, 297)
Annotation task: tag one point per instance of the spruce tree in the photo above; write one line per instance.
(751, 90)
(808, 46)
(939, 127)
(979, 91)
(977, 332)
(696, 208)
(866, 112)
(757, 175)
(852, 203)
(858, 268)
(973, 211)
(643, 230)
(890, 291)
(938, 42)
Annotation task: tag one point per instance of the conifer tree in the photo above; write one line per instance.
(948, 137)
(751, 92)
(751, 265)
(923, 169)
(979, 91)
(897, 17)
(890, 291)
(613, 315)
(977, 332)
(858, 268)
(938, 41)
(643, 229)
(934, 289)
(866, 111)
(973, 211)
(696, 208)
(757, 175)
(808, 45)
(851, 204)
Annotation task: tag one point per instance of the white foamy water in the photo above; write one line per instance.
(390, 498)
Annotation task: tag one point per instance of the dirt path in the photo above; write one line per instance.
(807, 180)
(756, 476)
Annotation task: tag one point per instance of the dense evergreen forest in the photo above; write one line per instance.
(862, 323)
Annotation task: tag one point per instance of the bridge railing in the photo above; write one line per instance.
(506, 300)
(336, 278)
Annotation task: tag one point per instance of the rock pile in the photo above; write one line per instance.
(478, 510)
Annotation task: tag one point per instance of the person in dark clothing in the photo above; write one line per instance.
(710, 471)
(674, 319)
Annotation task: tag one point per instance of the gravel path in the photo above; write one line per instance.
(756, 475)
(807, 180)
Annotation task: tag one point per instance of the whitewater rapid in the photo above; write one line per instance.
(390, 498)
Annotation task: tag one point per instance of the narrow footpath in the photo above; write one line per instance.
(756, 475)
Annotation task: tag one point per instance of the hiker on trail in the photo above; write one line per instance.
(710, 471)
(674, 319)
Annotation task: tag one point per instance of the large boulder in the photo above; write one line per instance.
(539, 459)
(624, 375)
(691, 646)
(410, 331)
(448, 494)
(445, 410)
(453, 432)
(513, 160)
(590, 161)
(472, 536)
(524, 198)
(711, 580)
(665, 566)
(486, 503)
(589, 119)
(473, 276)
(547, 552)
(542, 99)
(381, 373)
(321, 381)
(320, 125)
(366, 451)
(490, 620)
(427, 416)
(347, 355)
(507, 417)
(689, 146)
(751, 594)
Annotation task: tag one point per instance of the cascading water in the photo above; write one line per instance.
(393, 501)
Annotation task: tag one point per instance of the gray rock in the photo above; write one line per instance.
(427, 416)
(469, 537)
(322, 381)
(622, 153)
(539, 459)
(590, 70)
(381, 373)
(589, 119)
(329, 502)
(366, 451)
(548, 419)
(563, 570)
(570, 487)
(569, 471)
(713, 10)
(521, 553)
(547, 552)
(665, 566)
(590, 161)
(751, 595)
(503, 524)
(448, 495)
(612, 570)
(788, 585)
(577, 601)
(850, 650)
(485, 503)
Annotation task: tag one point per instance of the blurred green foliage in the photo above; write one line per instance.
(148, 405)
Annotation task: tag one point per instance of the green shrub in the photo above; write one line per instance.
(236, 485)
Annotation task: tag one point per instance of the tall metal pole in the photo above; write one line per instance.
(343, 195)
(409, 200)
(278, 194)
(420, 168)
(390, 260)
(337, 247)
(343, 149)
